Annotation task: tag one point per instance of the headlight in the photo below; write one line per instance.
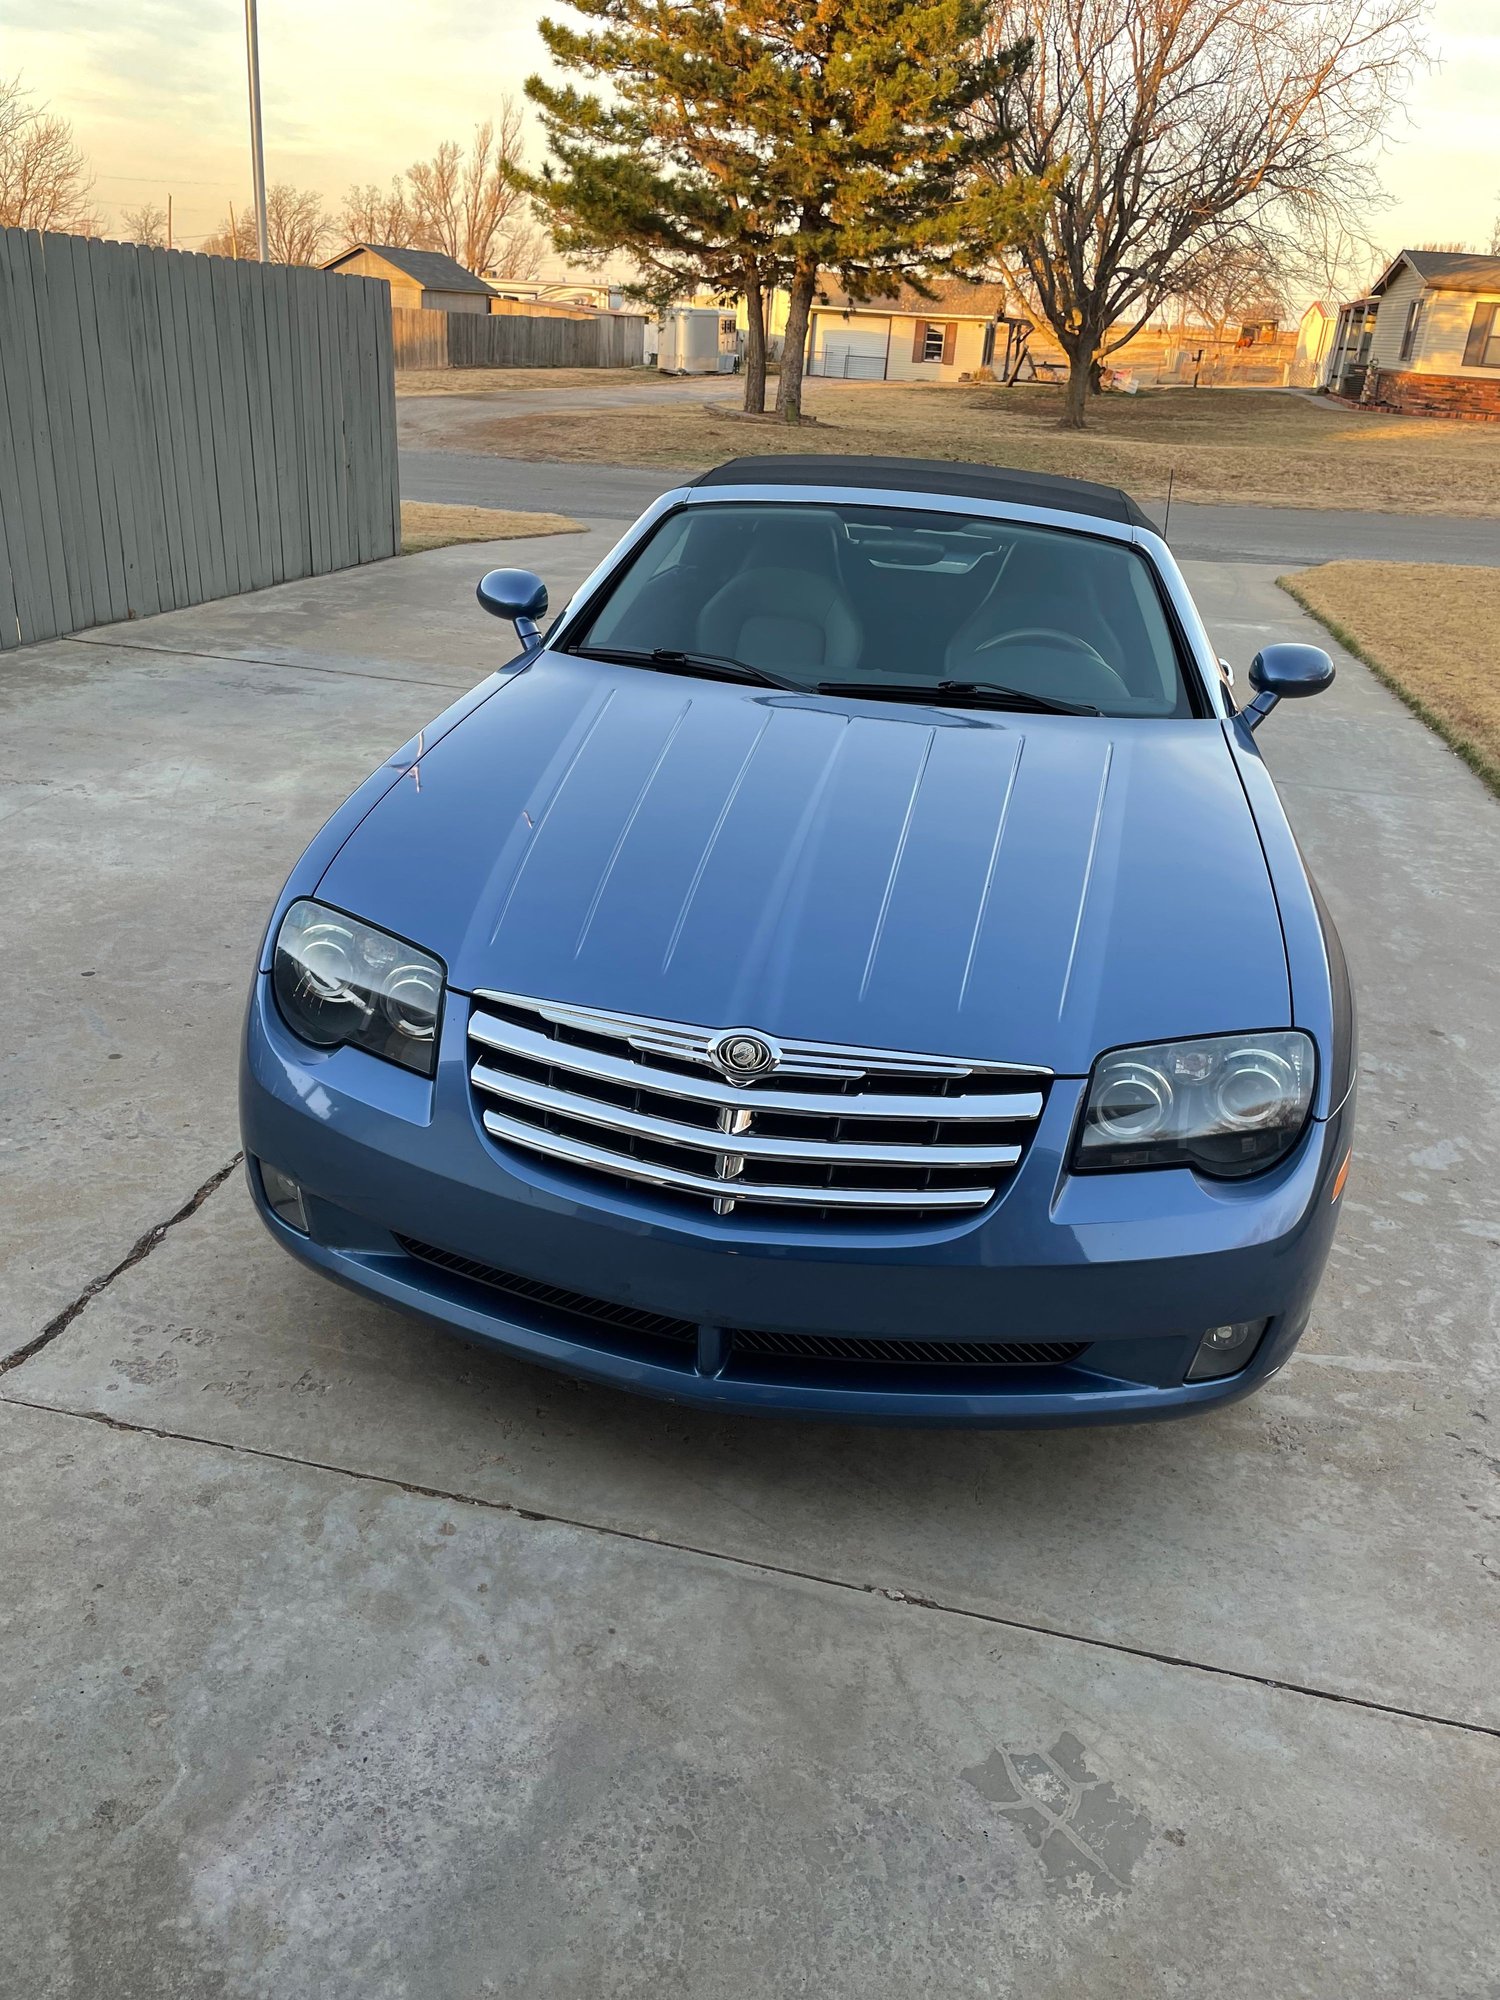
(340, 981)
(1227, 1105)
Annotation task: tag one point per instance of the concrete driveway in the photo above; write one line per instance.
(343, 1660)
(436, 421)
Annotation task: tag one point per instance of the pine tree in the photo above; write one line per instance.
(756, 142)
(668, 169)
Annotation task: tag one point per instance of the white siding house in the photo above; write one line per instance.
(1435, 349)
(908, 338)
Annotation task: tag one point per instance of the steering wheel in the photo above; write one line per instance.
(1069, 640)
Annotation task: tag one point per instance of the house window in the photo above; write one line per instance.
(1482, 348)
(932, 343)
(1416, 312)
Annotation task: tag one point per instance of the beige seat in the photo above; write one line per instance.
(786, 609)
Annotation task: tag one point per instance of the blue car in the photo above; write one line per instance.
(853, 963)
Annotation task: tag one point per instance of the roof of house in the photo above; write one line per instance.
(1445, 270)
(433, 270)
(952, 298)
(933, 475)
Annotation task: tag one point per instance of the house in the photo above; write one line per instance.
(601, 293)
(905, 337)
(418, 278)
(1435, 345)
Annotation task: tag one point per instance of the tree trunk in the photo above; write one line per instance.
(1076, 395)
(794, 344)
(755, 345)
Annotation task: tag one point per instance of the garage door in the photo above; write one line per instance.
(855, 352)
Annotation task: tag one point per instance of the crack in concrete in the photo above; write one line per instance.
(760, 1566)
(138, 1251)
(257, 660)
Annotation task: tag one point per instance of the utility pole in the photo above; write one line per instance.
(257, 150)
(169, 222)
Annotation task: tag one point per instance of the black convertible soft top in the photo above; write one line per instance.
(932, 475)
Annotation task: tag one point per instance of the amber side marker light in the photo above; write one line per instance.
(1341, 1176)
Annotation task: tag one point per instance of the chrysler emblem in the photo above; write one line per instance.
(741, 1055)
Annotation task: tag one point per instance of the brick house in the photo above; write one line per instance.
(1435, 345)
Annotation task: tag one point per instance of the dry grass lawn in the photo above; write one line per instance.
(1431, 631)
(475, 381)
(426, 525)
(1222, 445)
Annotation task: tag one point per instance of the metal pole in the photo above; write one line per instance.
(257, 150)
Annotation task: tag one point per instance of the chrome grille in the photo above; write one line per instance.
(818, 1127)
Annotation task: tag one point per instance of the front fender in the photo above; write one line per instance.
(1317, 971)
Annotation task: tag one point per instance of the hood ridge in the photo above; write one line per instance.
(1029, 890)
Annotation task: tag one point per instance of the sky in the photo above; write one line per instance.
(355, 90)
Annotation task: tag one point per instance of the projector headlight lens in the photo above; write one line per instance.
(1227, 1105)
(339, 982)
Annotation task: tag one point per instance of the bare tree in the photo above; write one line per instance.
(1234, 282)
(370, 215)
(470, 205)
(146, 225)
(234, 237)
(44, 179)
(1188, 127)
(297, 229)
(1333, 257)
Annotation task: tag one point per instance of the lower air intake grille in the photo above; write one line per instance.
(749, 1343)
(913, 1353)
(601, 1312)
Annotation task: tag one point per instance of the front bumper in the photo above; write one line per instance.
(1131, 1267)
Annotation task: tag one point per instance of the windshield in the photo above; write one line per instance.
(897, 599)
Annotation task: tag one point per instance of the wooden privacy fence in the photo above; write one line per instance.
(175, 428)
(515, 340)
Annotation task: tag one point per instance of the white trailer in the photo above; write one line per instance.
(698, 340)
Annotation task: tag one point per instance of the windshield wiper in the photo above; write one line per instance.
(960, 694)
(672, 660)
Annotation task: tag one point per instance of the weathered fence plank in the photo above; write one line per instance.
(44, 595)
(22, 620)
(425, 339)
(176, 427)
(95, 477)
(173, 449)
(61, 388)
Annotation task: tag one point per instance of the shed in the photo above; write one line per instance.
(429, 279)
(1315, 332)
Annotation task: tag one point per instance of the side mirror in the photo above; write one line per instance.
(518, 595)
(1286, 673)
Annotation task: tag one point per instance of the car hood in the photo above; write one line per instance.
(1029, 889)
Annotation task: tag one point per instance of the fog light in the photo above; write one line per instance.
(283, 1198)
(1225, 1350)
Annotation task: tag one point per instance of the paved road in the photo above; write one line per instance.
(1284, 535)
(345, 1661)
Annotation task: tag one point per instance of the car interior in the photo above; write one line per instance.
(829, 592)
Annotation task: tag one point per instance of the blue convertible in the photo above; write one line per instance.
(854, 963)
